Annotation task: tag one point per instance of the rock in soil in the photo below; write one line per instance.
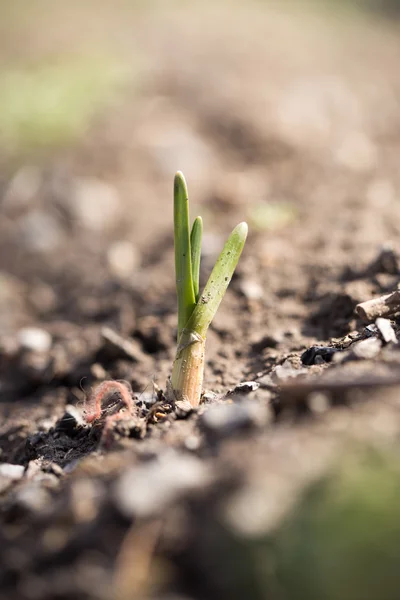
(310, 356)
(148, 489)
(230, 418)
(386, 331)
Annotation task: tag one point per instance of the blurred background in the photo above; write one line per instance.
(278, 113)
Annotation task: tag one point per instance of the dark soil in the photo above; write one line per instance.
(291, 122)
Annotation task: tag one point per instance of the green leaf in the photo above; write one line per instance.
(195, 245)
(218, 282)
(183, 259)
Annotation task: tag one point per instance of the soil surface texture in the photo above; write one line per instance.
(290, 121)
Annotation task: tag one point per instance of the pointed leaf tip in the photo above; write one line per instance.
(242, 229)
(179, 176)
(180, 183)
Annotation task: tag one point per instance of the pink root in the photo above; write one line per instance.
(102, 394)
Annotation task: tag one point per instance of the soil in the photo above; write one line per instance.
(290, 121)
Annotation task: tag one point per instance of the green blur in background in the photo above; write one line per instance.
(59, 67)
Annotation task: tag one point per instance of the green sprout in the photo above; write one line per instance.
(195, 311)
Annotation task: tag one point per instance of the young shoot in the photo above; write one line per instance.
(195, 310)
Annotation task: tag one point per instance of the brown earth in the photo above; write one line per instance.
(290, 121)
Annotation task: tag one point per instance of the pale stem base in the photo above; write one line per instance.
(188, 368)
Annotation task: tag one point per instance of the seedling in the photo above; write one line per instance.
(195, 311)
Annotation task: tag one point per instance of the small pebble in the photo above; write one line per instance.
(371, 330)
(244, 388)
(386, 330)
(147, 398)
(366, 349)
(183, 409)
(225, 419)
(148, 489)
(34, 339)
(208, 397)
(324, 353)
(11, 471)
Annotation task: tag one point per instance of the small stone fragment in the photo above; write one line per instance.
(208, 397)
(366, 349)
(10, 471)
(148, 489)
(226, 419)
(371, 330)
(386, 331)
(183, 409)
(34, 339)
(244, 388)
(310, 356)
(147, 399)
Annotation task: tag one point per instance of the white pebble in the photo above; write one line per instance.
(34, 339)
